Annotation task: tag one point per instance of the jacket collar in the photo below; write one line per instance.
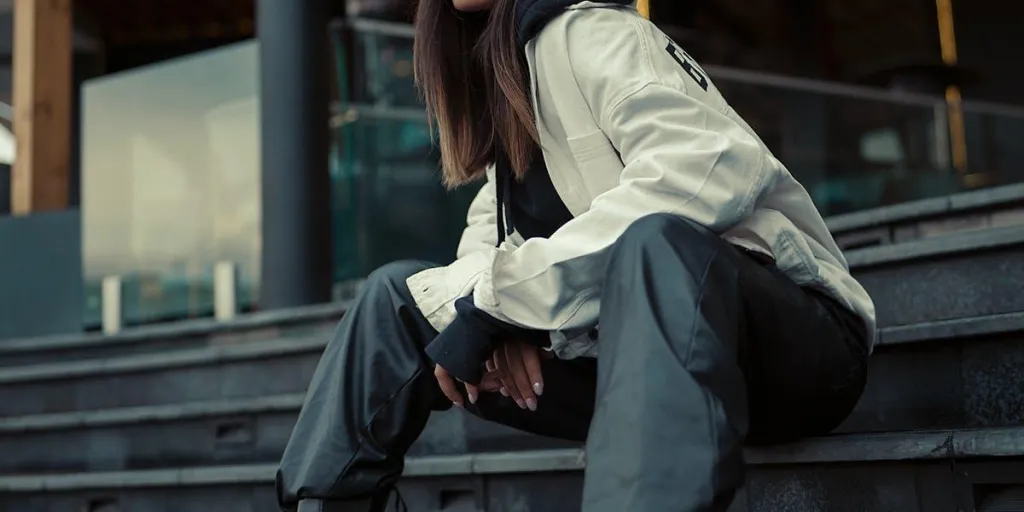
(533, 15)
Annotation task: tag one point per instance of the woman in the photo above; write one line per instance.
(633, 226)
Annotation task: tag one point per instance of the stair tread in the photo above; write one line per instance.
(150, 413)
(160, 360)
(925, 208)
(894, 446)
(182, 329)
(939, 245)
(895, 335)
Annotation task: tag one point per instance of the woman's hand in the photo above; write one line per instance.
(514, 368)
(450, 388)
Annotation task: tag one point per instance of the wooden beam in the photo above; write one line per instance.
(42, 105)
(954, 103)
(644, 7)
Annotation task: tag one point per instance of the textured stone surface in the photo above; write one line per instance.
(910, 389)
(228, 439)
(235, 379)
(976, 383)
(923, 487)
(267, 325)
(832, 489)
(947, 287)
(993, 375)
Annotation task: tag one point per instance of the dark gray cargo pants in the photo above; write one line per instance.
(702, 347)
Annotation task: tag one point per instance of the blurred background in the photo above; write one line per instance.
(180, 176)
(869, 103)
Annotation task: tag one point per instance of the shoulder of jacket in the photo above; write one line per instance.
(592, 19)
(603, 46)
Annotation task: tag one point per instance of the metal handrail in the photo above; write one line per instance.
(406, 31)
(994, 109)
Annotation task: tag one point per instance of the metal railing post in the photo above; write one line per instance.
(225, 291)
(111, 305)
(940, 131)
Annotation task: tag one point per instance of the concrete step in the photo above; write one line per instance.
(243, 370)
(953, 374)
(306, 321)
(960, 373)
(945, 374)
(957, 213)
(944, 471)
(210, 433)
(950, 277)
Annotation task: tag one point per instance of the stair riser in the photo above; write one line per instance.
(230, 379)
(232, 439)
(101, 351)
(880, 487)
(943, 385)
(937, 386)
(947, 287)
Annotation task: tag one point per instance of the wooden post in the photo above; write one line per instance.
(42, 105)
(954, 103)
(644, 7)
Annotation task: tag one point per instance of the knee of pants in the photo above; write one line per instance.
(662, 233)
(386, 285)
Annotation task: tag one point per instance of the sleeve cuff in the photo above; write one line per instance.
(464, 345)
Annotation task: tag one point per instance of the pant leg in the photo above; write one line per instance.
(673, 403)
(374, 389)
(369, 399)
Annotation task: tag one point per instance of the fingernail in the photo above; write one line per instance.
(538, 388)
(457, 404)
(472, 397)
(503, 392)
(521, 404)
(531, 403)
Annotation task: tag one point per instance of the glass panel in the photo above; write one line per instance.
(388, 202)
(849, 152)
(387, 198)
(170, 165)
(383, 69)
(853, 148)
(994, 142)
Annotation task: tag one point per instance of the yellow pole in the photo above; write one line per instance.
(954, 105)
(644, 7)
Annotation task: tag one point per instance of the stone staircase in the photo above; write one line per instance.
(193, 416)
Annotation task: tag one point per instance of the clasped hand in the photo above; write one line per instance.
(513, 369)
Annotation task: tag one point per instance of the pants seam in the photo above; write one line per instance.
(359, 447)
(697, 303)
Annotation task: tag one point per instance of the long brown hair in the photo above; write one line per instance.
(473, 78)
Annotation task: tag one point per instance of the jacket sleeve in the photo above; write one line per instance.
(437, 289)
(682, 153)
(481, 222)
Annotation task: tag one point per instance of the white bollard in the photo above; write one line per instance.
(111, 306)
(225, 291)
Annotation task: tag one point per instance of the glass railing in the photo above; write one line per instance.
(171, 179)
(171, 184)
(995, 143)
(388, 200)
(852, 147)
(388, 203)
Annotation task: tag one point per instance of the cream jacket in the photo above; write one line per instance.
(630, 125)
